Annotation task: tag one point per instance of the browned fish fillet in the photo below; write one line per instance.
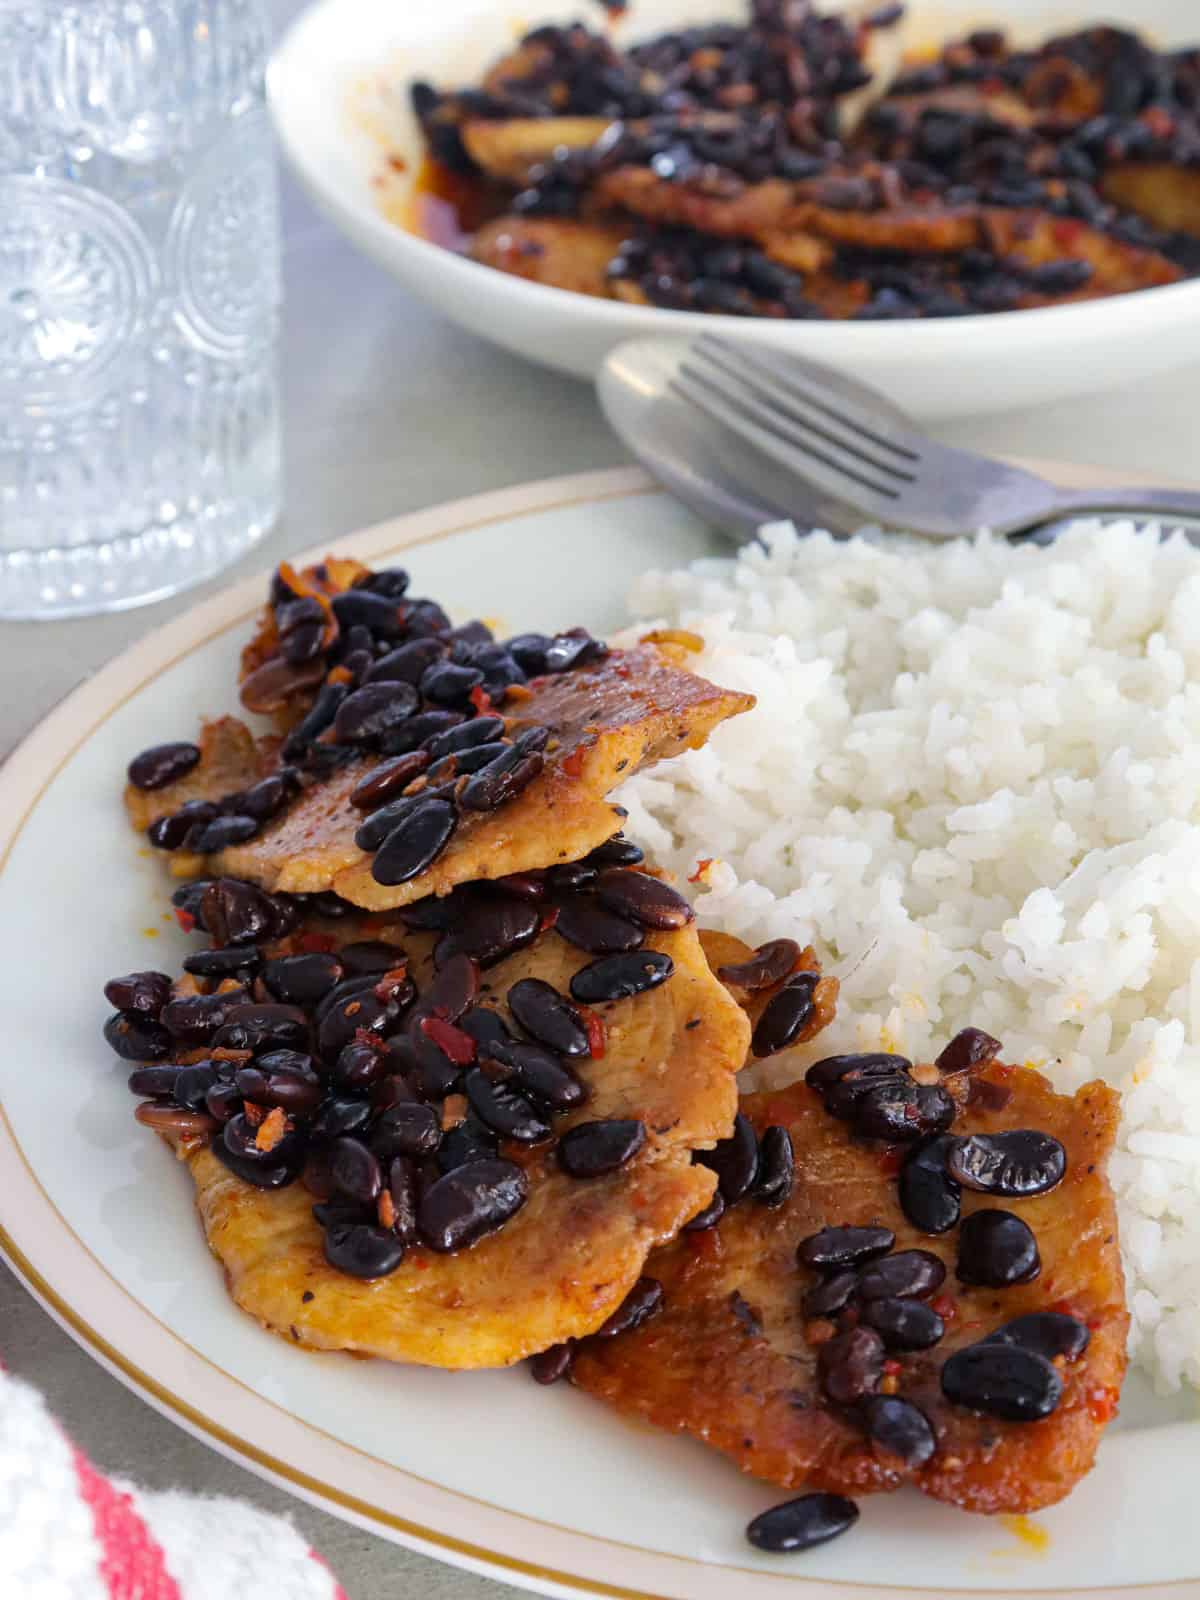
(732, 1361)
(563, 253)
(510, 148)
(566, 1260)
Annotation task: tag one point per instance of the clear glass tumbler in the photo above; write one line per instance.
(139, 299)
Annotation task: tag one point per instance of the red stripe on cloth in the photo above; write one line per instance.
(132, 1563)
(338, 1592)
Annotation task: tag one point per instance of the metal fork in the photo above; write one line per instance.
(867, 466)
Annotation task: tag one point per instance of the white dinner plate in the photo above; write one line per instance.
(338, 88)
(544, 1488)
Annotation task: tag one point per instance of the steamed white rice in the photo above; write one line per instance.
(973, 781)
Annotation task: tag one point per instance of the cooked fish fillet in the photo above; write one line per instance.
(628, 711)
(231, 758)
(730, 1361)
(569, 1257)
(1166, 195)
(560, 252)
(509, 149)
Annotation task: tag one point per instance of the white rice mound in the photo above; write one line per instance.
(973, 781)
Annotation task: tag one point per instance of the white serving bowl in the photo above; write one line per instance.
(338, 90)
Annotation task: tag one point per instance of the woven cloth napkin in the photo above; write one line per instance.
(69, 1533)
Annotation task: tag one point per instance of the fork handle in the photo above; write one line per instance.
(1161, 502)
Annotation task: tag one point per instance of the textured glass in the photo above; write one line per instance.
(139, 299)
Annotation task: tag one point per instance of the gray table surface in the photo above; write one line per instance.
(389, 409)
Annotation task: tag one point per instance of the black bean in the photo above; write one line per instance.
(339, 1114)
(901, 1111)
(785, 1015)
(770, 964)
(479, 731)
(363, 1011)
(502, 1109)
(776, 1167)
(391, 581)
(850, 1364)
(529, 650)
(621, 977)
(591, 1149)
(417, 730)
(903, 1323)
(469, 1141)
(709, 1217)
(408, 1129)
(266, 1169)
(492, 926)
(303, 979)
(899, 1428)
(734, 1160)
(468, 761)
(415, 843)
(194, 1019)
(548, 1017)
(355, 1170)
(169, 832)
(1003, 1381)
(223, 1101)
(162, 764)
(574, 648)
(251, 1026)
(338, 1211)
(501, 780)
(844, 1247)
(402, 1187)
(589, 926)
(375, 828)
(363, 957)
(929, 1196)
(377, 612)
(365, 716)
(358, 1066)
(447, 684)
(264, 799)
(822, 1075)
(206, 838)
(407, 663)
(616, 852)
(452, 990)
(539, 1072)
(144, 992)
(1049, 1334)
(363, 1250)
(1016, 1163)
(642, 899)
(352, 987)
(970, 1047)
(828, 1298)
(154, 1083)
(470, 1201)
(800, 1524)
(569, 876)
(907, 1272)
(485, 1026)
(234, 912)
(386, 781)
(548, 1366)
(644, 1300)
(996, 1249)
(298, 1093)
(230, 961)
(193, 1083)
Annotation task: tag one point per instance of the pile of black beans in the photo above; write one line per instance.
(786, 58)
(388, 676)
(329, 1066)
(685, 270)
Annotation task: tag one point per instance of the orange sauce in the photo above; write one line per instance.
(1031, 1534)
(448, 207)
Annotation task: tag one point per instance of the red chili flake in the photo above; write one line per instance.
(185, 919)
(311, 944)
(391, 982)
(254, 1113)
(892, 1368)
(451, 1041)
(945, 1306)
(481, 700)
(339, 675)
(548, 919)
(596, 1032)
(891, 1161)
(1063, 1306)
(1102, 1404)
(1066, 230)
(397, 163)
(371, 1040)
(702, 867)
(573, 764)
